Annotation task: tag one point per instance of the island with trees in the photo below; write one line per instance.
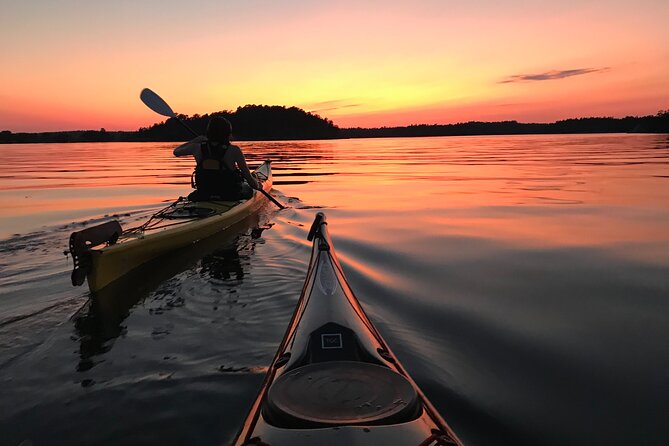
(271, 123)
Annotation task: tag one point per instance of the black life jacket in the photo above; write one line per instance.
(213, 178)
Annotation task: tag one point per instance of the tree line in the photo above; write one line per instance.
(263, 122)
(658, 123)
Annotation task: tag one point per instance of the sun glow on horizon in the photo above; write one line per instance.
(372, 64)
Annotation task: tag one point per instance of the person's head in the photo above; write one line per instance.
(219, 130)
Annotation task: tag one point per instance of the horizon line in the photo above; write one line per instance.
(658, 113)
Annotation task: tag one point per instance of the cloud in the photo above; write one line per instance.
(551, 75)
(335, 104)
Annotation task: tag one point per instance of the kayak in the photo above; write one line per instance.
(334, 380)
(104, 253)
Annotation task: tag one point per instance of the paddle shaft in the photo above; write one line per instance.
(182, 122)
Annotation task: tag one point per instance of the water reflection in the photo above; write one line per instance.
(506, 272)
(220, 257)
(224, 264)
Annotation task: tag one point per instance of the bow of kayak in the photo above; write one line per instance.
(334, 380)
(104, 253)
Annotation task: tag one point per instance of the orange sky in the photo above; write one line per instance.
(79, 65)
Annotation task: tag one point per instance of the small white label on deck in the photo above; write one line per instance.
(331, 340)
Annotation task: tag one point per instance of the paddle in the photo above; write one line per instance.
(158, 105)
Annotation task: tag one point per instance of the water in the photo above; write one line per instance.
(523, 281)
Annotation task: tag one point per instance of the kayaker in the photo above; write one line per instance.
(221, 167)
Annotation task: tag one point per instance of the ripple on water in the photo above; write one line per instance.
(521, 280)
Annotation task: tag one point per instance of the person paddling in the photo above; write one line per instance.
(221, 167)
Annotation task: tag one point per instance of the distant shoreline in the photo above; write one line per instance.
(276, 123)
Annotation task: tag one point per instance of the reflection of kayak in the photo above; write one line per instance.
(102, 319)
(333, 380)
(104, 253)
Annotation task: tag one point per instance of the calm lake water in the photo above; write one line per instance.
(523, 281)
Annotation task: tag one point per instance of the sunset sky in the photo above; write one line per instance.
(81, 64)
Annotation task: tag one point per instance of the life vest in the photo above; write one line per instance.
(213, 178)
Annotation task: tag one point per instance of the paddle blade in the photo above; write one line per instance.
(156, 103)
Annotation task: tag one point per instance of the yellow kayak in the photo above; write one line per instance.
(104, 253)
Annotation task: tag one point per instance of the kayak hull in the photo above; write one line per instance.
(334, 380)
(109, 263)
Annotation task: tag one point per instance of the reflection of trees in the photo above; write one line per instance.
(101, 322)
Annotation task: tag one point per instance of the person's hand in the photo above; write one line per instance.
(258, 184)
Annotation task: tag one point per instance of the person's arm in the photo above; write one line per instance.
(190, 147)
(244, 169)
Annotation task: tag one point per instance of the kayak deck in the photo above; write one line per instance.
(179, 224)
(333, 379)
